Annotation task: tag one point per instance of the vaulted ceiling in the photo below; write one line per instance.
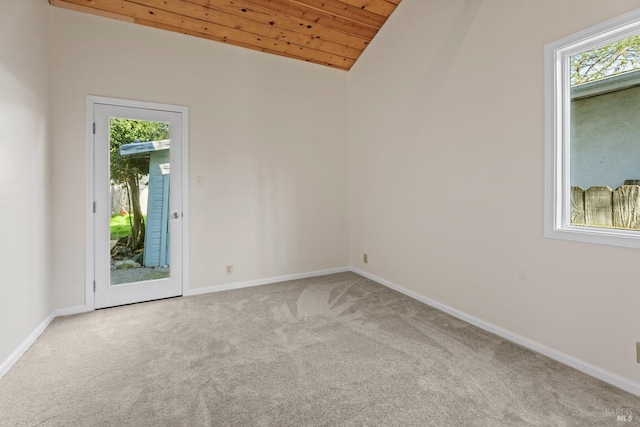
(327, 32)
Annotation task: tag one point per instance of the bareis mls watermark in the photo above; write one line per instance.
(620, 414)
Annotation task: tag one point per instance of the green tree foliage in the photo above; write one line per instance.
(606, 61)
(128, 170)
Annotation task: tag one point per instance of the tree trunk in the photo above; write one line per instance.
(136, 240)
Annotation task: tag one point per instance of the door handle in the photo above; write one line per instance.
(176, 215)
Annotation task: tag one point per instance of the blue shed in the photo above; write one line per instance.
(156, 239)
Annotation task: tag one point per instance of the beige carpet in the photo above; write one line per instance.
(327, 351)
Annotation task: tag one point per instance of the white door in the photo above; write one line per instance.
(138, 217)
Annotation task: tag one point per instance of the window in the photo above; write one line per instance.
(592, 152)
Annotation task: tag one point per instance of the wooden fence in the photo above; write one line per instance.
(604, 207)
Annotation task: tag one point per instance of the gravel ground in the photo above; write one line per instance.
(128, 275)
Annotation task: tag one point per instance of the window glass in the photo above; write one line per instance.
(592, 153)
(605, 135)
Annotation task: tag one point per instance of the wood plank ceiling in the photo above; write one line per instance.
(327, 32)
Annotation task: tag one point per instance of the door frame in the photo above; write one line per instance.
(90, 197)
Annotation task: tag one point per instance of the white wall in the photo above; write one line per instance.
(268, 134)
(24, 171)
(446, 176)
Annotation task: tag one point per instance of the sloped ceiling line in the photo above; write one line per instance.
(328, 32)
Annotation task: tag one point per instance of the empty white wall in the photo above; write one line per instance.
(446, 176)
(267, 134)
(24, 171)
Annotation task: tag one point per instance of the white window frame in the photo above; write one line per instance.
(557, 221)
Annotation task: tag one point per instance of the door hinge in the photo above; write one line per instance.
(94, 128)
(94, 207)
(94, 286)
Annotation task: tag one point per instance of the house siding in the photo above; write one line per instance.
(156, 243)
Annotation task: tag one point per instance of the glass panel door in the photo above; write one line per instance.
(138, 215)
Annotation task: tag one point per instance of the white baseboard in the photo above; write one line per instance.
(589, 369)
(72, 310)
(33, 336)
(28, 342)
(24, 346)
(582, 366)
(260, 282)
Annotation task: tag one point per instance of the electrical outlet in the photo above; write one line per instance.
(638, 351)
(366, 258)
(228, 270)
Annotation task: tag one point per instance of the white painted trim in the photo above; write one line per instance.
(184, 164)
(33, 336)
(132, 103)
(28, 342)
(267, 281)
(72, 310)
(557, 203)
(24, 346)
(89, 261)
(582, 366)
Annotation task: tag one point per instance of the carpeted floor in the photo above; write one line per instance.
(327, 351)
